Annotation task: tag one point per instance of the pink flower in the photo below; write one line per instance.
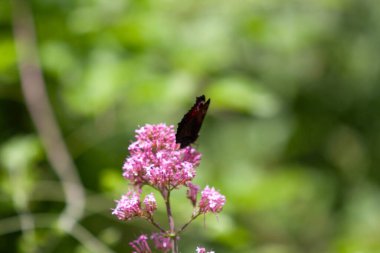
(192, 192)
(161, 242)
(203, 250)
(150, 204)
(211, 201)
(128, 206)
(156, 159)
(140, 245)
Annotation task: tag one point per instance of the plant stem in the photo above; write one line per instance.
(188, 223)
(173, 235)
(150, 219)
(42, 114)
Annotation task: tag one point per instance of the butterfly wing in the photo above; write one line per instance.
(188, 128)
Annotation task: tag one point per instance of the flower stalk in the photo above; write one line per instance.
(172, 233)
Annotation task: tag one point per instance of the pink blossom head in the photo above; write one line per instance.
(156, 159)
(203, 250)
(161, 242)
(150, 204)
(192, 192)
(211, 201)
(128, 206)
(140, 245)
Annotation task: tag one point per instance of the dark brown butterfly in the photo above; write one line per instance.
(188, 128)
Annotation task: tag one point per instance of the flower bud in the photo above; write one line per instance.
(150, 204)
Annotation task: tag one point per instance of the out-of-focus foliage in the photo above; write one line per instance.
(292, 136)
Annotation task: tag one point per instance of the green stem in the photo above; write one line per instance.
(188, 223)
(150, 219)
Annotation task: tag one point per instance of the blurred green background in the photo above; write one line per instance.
(292, 136)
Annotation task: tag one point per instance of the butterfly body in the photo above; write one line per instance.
(188, 128)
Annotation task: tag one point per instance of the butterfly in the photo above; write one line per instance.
(188, 128)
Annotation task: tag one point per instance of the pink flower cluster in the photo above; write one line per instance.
(129, 206)
(203, 250)
(156, 159)
(192, 192)
(140, 245)
(162, 243)
(211, 201)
